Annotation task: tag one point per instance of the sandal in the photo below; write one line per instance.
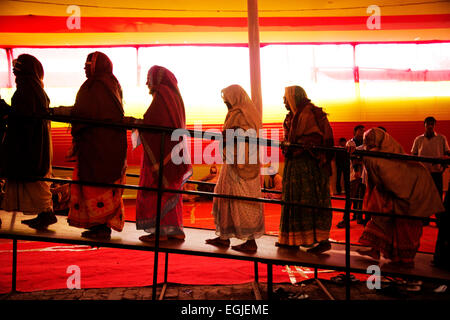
(218, 242)
(340, 279)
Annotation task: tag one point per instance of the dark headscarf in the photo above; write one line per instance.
(101, 151)
(27, 142)
(299, 130)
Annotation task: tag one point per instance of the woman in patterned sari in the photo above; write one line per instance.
(404, 188)
(166, 110)
(306, 175)
(100, 152)
(237, 218)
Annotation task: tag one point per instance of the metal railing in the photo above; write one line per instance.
(216, 136)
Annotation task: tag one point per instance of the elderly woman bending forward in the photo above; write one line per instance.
(403, 188)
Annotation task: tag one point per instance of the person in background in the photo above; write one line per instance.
(403, 188)
(441, 257)
(212, 177)
(99, 152)
(238, 218)
(306, 176)
(432, 144)
(340, 166)
(273, 182)
(27, 148)
(357, 175)
(166, 110)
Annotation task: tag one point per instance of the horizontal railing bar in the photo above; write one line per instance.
(135, 175)
(206, 135)
(226, 196)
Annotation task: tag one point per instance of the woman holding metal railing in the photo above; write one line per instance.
(306, 176)
(26, 151)
(404, 188)
(166, 110)
(239, 176)
(99, 152)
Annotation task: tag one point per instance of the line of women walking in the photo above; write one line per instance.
(99, 154)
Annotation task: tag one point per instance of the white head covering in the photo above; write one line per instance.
(243, 114)
(240, 102)
(296, 97)
(381, 141)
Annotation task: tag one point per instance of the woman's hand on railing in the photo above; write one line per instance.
(61, 111)
(129, 120)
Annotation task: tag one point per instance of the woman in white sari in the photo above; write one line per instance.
(237, 218)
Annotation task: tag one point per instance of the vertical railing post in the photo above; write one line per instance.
(269, 281)
(348, 205)
(14, 267)
(158, 214)
(166, 267)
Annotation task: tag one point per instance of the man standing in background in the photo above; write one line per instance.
(432, 144)
(357, 185)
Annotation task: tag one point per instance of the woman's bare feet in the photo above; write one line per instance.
(150, 238)
(320, 248)
(179, 237)
(248, 247)
(218, 242)
(100, 232)
(373, 253)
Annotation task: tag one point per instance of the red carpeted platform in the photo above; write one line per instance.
(43, 266)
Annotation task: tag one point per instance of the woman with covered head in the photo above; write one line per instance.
(239, 176)
(166, 110)
(403, 188)
(27, 148)
(306, 175)
(99, 151)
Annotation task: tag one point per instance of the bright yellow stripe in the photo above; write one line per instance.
(394, 108)
(124, 38)
(155, 38)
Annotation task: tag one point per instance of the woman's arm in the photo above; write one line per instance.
(61, 111)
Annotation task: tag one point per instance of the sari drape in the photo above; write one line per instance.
(166, 110)
(306, 173)
(27, 148)
(100, 152)
(404, 188)
(237, 218)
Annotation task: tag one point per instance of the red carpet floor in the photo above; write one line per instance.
(43, 266)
